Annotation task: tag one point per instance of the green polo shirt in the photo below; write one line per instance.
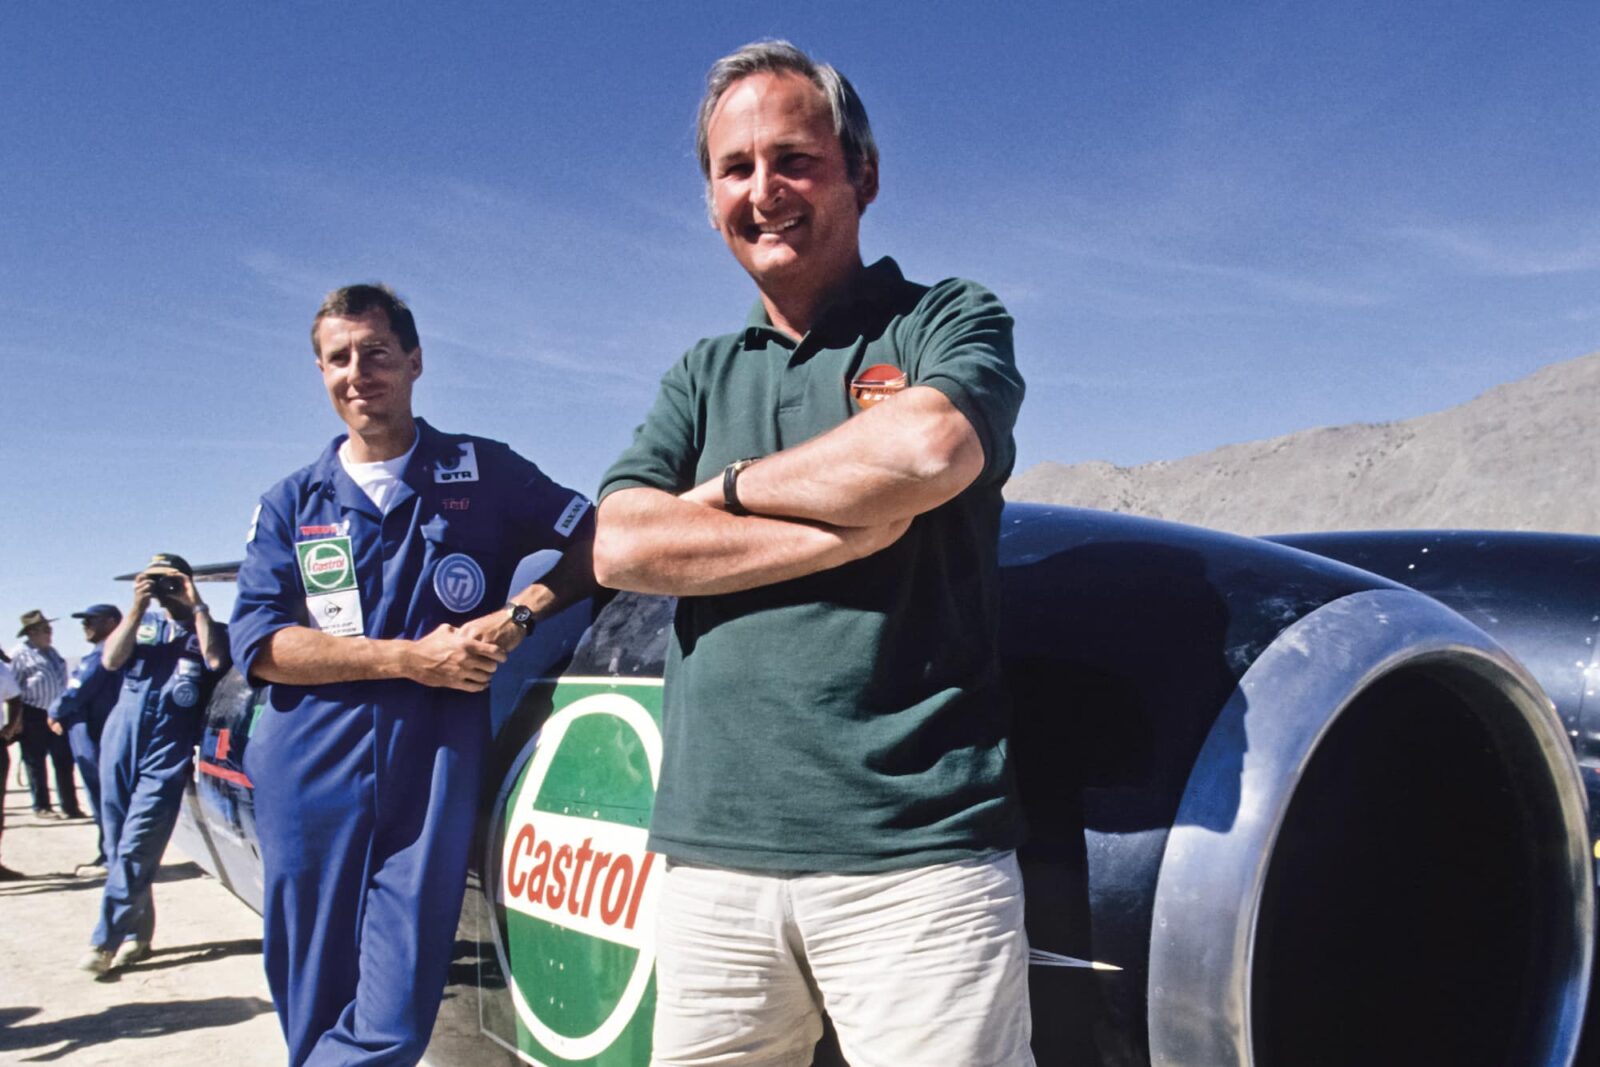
(854, 719)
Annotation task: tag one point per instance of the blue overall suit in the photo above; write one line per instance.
(83, 710)
(366, 792)
(146, 758)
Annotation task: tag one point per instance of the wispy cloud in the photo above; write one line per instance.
(1263, 282)
(1509, 251)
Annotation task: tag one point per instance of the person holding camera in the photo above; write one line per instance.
(170, 665)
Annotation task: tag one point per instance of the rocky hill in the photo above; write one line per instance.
(1523, 456)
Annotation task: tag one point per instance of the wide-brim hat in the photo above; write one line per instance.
(30, 619)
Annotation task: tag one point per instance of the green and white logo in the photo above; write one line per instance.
(573, 885)
(327, 565)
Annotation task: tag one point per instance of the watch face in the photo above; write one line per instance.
(522, 616)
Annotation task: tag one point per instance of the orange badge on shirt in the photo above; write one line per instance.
(877, 382)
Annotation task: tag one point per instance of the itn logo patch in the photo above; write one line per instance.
(573, 885)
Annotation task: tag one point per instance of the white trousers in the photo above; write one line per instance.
(926, 967)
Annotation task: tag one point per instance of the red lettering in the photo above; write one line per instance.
(558, 874)
(572, 878)
(584, 854)
(621, 880)
(638, 889)
(540, 870)
(601, 860)
(517, 881)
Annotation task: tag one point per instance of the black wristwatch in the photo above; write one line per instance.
(730, 487)
(522, 616)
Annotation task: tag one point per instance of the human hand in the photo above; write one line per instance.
(453, 658)
(144, 591)
(187, 594)
(10, 730)
(496, 628)
(55, 727)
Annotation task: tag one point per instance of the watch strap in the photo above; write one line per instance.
(522, 615)
(730, 487)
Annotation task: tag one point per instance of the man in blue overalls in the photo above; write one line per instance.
(81, 712)
(371, 598)
(170, 663)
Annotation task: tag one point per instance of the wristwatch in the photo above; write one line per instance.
(730, 487)
(522, 616)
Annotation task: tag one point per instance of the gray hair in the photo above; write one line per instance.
(781, 57)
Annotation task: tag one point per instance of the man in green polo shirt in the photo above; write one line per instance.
(821, 491)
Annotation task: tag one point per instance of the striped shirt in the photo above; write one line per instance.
(41, 675)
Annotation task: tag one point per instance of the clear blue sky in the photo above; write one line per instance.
(1213, 222)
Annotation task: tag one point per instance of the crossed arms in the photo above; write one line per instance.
(841, 496)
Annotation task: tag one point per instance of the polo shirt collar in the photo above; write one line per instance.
(874, 290)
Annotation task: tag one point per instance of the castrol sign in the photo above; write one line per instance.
(573, 885)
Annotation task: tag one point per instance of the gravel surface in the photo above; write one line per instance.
(200, 998)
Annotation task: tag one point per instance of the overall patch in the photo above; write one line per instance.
(458, 468)
(877, 383)
(185, 694)
(569, 517)
(458, 582)
(333, 598)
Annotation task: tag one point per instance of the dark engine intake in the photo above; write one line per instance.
(1313, 816)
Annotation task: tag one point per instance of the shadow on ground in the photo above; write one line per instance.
(66, 882)
(183, 955)
(60, 1038)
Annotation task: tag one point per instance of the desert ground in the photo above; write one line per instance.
(200, 998)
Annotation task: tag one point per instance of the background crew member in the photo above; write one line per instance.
(170, 663)
(81, 713)
(370, 596)
(10, 727)
(42, 674)
(836, 800)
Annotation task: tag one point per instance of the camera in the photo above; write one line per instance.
(169, 585)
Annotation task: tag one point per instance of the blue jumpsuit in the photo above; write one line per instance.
(146, 758)
(83, 709)
(366, 792)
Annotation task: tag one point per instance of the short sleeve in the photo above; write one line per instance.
(961, 345)
(268, 599)
(664, 449)
(544, 513)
